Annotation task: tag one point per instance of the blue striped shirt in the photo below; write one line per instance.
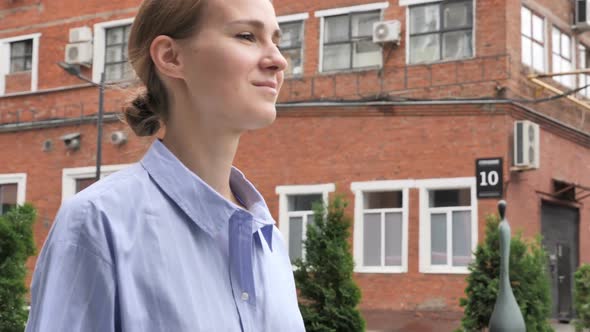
(155, 248)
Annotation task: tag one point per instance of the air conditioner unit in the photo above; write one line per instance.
(526, 145)
(79, 53)
(81, 34)
(582, 16)
(386, 31)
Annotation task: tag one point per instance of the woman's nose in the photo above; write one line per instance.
(274, 60)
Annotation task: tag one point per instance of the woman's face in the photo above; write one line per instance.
(232, 66)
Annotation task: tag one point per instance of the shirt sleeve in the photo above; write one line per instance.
(73, 290)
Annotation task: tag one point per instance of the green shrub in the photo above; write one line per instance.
(582, 297)
(16, 246)
(528, 277)
(328, 294)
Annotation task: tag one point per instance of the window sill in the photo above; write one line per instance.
(445, 270)
(380, 269)
(439, 62)
(350, 70)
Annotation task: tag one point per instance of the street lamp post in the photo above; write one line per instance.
(74, 70)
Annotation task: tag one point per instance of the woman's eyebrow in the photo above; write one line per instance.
(256, 24)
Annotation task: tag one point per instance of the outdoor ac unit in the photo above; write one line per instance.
(81, 34)
(79, 53)
(526, 145)
(582, 17)
(386, 31)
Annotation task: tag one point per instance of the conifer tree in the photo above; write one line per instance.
(528, 276)
(328, 295)
(16, 246)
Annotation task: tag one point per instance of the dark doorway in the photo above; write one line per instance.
(560, 230)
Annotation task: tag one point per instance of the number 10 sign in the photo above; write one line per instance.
(488, 172)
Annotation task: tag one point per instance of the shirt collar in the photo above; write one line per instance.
(202, 204)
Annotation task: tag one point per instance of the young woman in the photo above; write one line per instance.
(180, 241)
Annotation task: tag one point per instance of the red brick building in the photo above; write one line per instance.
(396, 126)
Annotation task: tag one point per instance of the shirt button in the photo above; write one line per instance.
(245, 296)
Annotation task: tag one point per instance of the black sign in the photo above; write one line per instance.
(488, 172)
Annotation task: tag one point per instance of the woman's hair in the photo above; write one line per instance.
(177, 19)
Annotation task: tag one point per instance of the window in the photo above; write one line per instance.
(110, 51)
(18, 55)
(296, 213)
(381, 226)
(117, 66)
(532, 40)
(448, 224)
(562, 57)
(21, 56)
(291, 44)
(347, 37)
(12, 191)
(77, 179)
(583, 63)
(441, 31)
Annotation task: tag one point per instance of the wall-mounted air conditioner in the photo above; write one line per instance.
(386, 31)
(81, 34)
(582, 17)
(526, 145)
(79, 53)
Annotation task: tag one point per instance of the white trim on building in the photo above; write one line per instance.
(70, 175)
(98, 57)
(5, 60)
(20, 179)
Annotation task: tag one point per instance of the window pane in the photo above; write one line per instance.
(366, 53)
(17, 49)
(128, 71)
(457, 45)
(565, 46)
(424, 48)
(526, 51)
(538, 28)
(372, 239)
(292, 34)
(294, 65)
(450, 197)
(424, 19)
(28, 63)
(82, 184)
(17, 65)
(525, 22)
(457, 14)
(362, 24)
(382, 200)
(336, 57)
(555, 40)
(461, 238)
(393, 239)
(309, 222)
(336, 29)
(114, 54)
(115, 36)
(539, 58)
(438, 238)
(114, 72)
(302, 202)
(295, 238)
(7, 197)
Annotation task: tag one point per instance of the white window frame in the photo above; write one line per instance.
(563, 79)
(295, 18)
(582, 79)
(70, 175)
(359, 188)
(99, 45)
(340, 11)
(546, 37)
(424, 186)
(287, 190)
(20, 179)
(408, 3)
(5, 60)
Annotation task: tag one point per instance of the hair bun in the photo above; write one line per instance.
(141, 116)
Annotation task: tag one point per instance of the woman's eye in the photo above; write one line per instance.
(247, 36)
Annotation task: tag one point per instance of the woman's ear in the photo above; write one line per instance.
(165, 53)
